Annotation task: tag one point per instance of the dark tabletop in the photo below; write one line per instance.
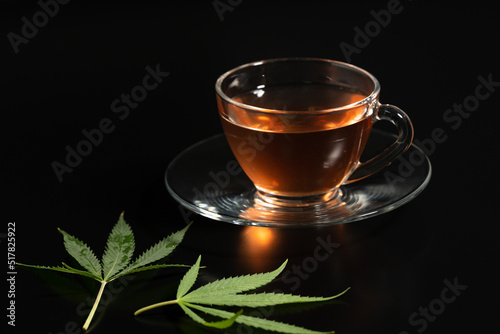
(69, 68)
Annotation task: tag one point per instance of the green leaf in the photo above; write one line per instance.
(226, 292)
(82, 253)
(151, 267)
(254, 300)
(119, 249)
(188, 280)
(117, 255)
(82, 272)
(158, 251)
(216, 324)
(65, 269)
(234, 285)
(270, 325)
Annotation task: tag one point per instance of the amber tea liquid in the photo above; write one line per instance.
(280, 152)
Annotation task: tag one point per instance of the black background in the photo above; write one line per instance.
(64, 79)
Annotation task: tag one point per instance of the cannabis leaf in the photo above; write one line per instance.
(228, 292)
(116, 260)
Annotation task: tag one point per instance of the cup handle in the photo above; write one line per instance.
(386, 112)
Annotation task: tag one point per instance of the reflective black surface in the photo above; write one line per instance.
(427, 267)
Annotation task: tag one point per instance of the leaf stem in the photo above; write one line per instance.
(150, 307)
(94, 307)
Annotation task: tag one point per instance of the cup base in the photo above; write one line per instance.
(269, 199)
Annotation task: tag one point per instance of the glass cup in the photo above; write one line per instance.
(298, 127)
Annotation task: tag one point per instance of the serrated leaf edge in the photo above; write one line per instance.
(151, 254)
(255, 299)
(65, 269)
(91, 262)
(188, 279)
(266, 324)
(145, 268)
(233, 285)
(222, 324)
(112, 268)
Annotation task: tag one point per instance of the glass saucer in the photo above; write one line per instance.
(206, 179)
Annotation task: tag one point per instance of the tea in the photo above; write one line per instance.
(281, 151)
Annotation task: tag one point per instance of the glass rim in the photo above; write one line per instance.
(366, 100)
